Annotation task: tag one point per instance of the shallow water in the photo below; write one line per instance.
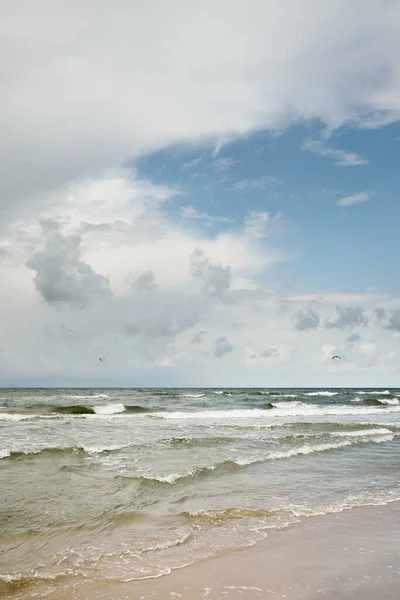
(126, 484)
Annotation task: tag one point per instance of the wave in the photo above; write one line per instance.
(136, 408)
(377, 393)
(75, 409)
(315, 411)
(109, 409)
(52, 451)
(16, 417)
(237, 464)
(353, 433)
(322, 393)
(192, 395)
(211, 414)
(230, 514)
(87, 396)
(204, 441)
(300, 409)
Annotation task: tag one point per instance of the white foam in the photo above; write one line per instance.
(192, 395)
(297, 410)
(288, 405)
(322, 393)
(109, 409)
(307, 449)
(80, 397)
(316, 411)
(377, 393)
(363, 433)
(14, 417)
(213, 414)
(4, 453)
(389, 401)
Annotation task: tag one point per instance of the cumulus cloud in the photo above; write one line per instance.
(269, 352)
(146, 282)
(394, 320)
(348, 317)
(379, 314)
(222, 347)
(197, 338)
(110, 235)
(62, 277)
(354, 338)
(353, 199)
(306, 320)
(217, 278)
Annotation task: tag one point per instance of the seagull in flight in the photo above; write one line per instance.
(102, 359)
(336, 356)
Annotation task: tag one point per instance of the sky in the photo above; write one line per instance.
(204, 193)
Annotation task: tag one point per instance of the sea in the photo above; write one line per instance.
(129, 484)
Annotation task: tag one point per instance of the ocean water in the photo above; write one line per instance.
(126, 484)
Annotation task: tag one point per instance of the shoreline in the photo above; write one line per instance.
(354, 554)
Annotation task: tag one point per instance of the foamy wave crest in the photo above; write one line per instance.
(316, 411)
(389, 401)
(290, 404)
(15, 417)
(382, 431)
(296, 409)
(88, 397)
(109, 409)
(192, 395)
(212, 414)
(322, 393)
(232, 465)
(54, 451)
(377, 393)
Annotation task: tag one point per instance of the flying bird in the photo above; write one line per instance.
(102, 359)
(336, 356)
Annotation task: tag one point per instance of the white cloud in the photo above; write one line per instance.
(189, 212)
(306, 320)
(259, 223)
(353, 199)
(222, 347)
(339, 157)
(92, 103)
(116, 274)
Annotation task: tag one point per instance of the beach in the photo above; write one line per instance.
(353, 555)
(146, 493)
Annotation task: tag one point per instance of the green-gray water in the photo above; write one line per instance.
(127, 483)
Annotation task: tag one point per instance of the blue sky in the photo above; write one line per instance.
(351, 247)
(204, 193)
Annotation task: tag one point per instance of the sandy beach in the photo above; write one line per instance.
(353, 555)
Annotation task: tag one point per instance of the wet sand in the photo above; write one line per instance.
(351, 555)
